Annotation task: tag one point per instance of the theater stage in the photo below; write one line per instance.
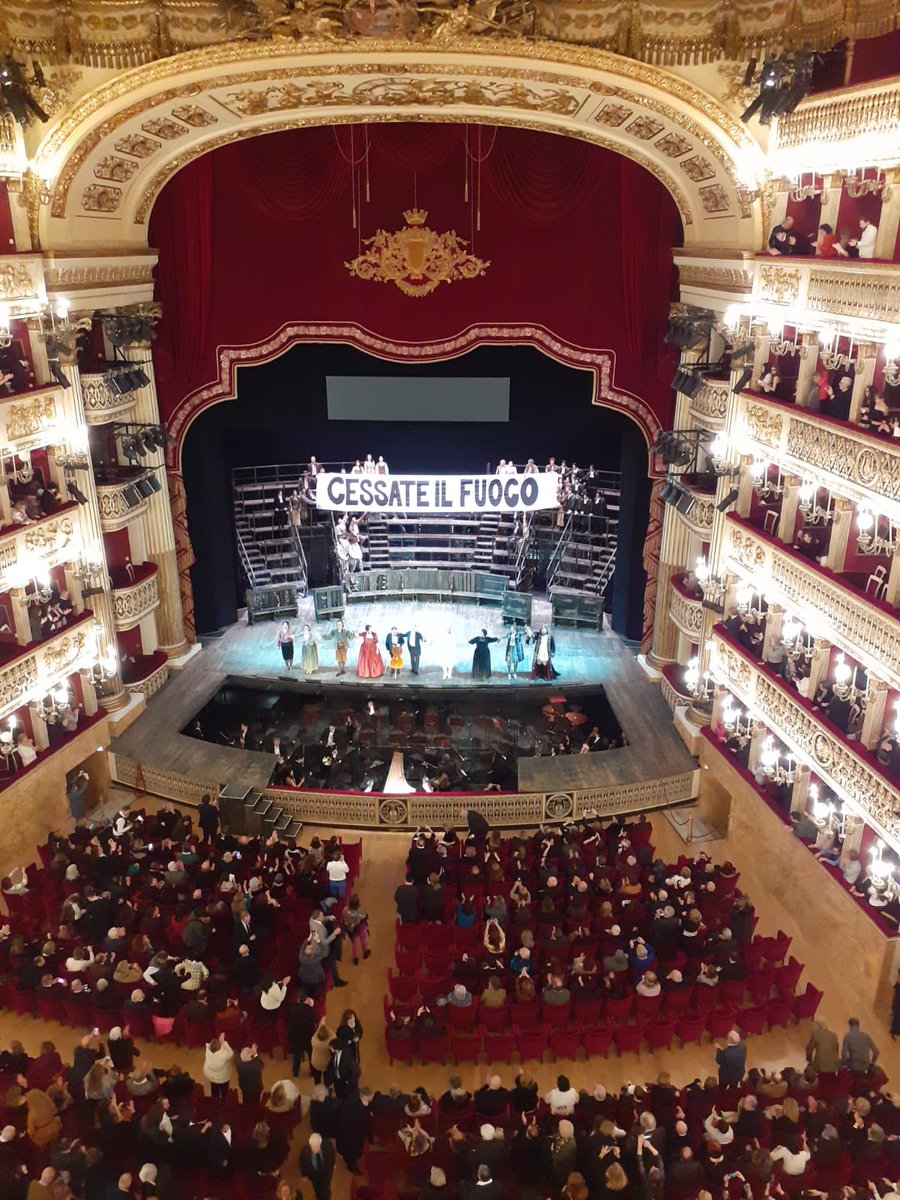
(249, 655)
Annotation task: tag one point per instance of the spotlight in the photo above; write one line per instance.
(91, 591)
(129, 448)
(140, 377)
(685, 502)
(131, 495)
(662, 441)
(154, 485)
(115, 381)
(668, 491)
(726, 502)
(741, 351)
(742, 380)
(58, 374)
(148, 486)
(76, 492)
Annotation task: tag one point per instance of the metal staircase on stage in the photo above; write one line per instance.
(576, 559)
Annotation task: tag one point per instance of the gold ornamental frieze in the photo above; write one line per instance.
(686, 612)
(27, 419)
(131, 604)
(837, 762)
(415, 258)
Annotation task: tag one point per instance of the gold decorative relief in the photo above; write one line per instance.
(60, 656)
(102, 198)
(119, 170)
(674, 145)
(416, 259)
(645, 128)
(194, 115)
(138, 146)
(698, 168)
(49, 537)
(714, 198)
(165, 128)
(780, 284)
(16, 283)
(763, 424)
(613, 114)
(28, 417)
(132, 604)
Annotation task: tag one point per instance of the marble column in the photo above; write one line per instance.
(831, 199)
(818, 666)
(874, 719)
(790, 503)
(158, 532)
(39, 733)
(800, 790)
(673, 560)
(758, 734)
(809, 358)
(892, 591)
(841, 532)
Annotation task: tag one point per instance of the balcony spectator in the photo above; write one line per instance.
(868, 233)
(769, 380)
(25, 749)
(839, 398)
(19, 514)
(818, 392)
(799, 245)
(778, 238)
(826, 241)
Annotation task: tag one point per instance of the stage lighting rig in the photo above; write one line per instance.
(678, 447)
(784, 79)
(688, 328)
(15, 90)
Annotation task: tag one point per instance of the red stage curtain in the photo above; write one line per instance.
(255, 236)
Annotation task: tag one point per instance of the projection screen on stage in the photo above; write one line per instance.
(437, 493)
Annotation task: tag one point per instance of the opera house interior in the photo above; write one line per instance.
(447, 555)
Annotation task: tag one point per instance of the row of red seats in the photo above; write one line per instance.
(565, 1041)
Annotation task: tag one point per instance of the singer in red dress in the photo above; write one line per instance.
(370, 664)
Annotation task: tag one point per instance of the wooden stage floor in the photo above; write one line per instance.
(248, 654)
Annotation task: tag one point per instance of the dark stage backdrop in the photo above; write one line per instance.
(256, 235)
(281, 416)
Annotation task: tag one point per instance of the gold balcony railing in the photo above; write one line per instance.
(53, 540)
(101, 403)
(710, 405)
(843, 766)
(860, 466)
(114, 511)
(864, 629)
(699, 518)
(823, 125)
(32, 419)
(865, 295)
(686, 612)
(137, 600)
(39, 670)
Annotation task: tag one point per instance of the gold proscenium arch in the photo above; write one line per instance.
(100, 167)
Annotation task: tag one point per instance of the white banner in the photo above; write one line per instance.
(437, 493)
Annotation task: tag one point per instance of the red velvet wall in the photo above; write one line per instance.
(117, 548)
(875, 58)
(851, 209)
(256, 235)
(7, 240)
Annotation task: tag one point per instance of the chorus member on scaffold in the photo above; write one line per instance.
(341, 636)
(370, 664)
(515, 651)
(542, 661)
(393, 643)
(481, 659)
(309, 652)
(447, 655)
(286, 642)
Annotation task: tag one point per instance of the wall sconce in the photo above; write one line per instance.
(813, 512)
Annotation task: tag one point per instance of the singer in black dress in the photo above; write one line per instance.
(481, 659)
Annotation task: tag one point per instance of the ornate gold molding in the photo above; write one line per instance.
(114, 512)
(101, 404)
(850, 463)
(864, 294)
(863, 629)
(52, 540)
(47, 665)
(134, 602)
(831, 120)
(154, 682)
(686, 613)
(836, 762)
(700, 518)
(33, 421)
(710, 405)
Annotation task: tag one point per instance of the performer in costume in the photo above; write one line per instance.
(542, 661)
(481, 659)
(309, 652)
(448, 655)
(393, 643)
(370, 664)
(414, 640)
(342, 638)
(286, 642)
(515, 653)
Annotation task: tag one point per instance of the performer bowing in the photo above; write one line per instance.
(309, 652)
(341, 636)
(286, 643)
(542, 660)
(481, 659)
(369, 664)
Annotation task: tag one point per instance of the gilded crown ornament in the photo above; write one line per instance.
(415, 258)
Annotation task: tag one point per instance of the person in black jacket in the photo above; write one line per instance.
(208, 819)
(301, 1025)
(343, 1070)
(353, 1128)
(317, 1165)
(219, 1151)
(407, 900)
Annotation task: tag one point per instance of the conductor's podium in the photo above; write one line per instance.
(426, 584)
